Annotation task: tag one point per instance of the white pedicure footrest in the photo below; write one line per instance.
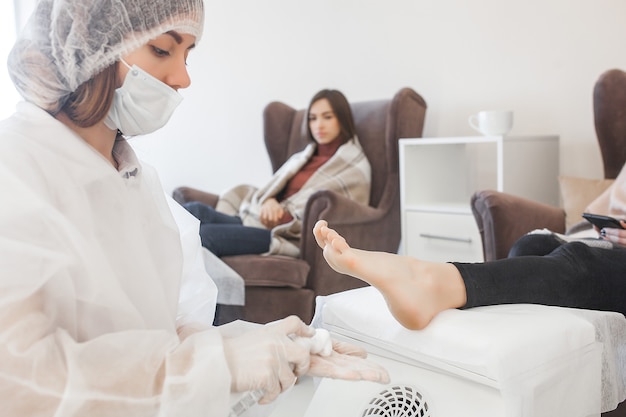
(507, 360)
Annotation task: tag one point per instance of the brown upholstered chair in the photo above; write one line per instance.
(503, 218)
(277, 286)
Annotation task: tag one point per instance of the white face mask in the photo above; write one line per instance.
(142, 104)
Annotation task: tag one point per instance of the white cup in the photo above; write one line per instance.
(492, 122)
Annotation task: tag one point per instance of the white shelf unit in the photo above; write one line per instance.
(439, 175)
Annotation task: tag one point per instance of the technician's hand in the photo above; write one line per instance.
(615, 235)
(347, 361)
(268, 359)
(271, 213)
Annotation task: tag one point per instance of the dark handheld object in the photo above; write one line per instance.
(602, 221)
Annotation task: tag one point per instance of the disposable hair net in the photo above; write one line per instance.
(67, 42)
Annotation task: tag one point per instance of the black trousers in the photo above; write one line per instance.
(543, 270)
(225, 235)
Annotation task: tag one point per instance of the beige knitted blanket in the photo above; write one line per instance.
(347, 173)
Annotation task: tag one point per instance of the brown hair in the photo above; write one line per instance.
(91, 101)
(342, 110)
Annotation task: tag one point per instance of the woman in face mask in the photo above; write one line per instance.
(105, 307)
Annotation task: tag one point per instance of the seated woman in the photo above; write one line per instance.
(576, 274)
(247, 220)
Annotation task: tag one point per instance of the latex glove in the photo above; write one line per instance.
(349, 362)
(267, 359)
(346, 348)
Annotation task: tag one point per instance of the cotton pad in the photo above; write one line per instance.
(319, 344)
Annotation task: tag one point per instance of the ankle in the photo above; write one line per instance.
(447, 286)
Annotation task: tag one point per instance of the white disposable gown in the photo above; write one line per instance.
(91, 269)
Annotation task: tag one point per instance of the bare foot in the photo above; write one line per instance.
(415, 291)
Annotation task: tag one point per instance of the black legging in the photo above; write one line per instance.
(568, 275)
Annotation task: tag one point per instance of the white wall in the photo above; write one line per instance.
(7, 38)
(539, 58)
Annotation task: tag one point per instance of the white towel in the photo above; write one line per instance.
(231, 288)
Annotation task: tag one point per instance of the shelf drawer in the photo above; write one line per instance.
(442, 237)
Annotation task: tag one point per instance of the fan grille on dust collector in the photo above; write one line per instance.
(398, 401)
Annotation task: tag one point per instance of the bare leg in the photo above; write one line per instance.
(415, 291)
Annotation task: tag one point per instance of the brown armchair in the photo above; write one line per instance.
(277, 286)
(504, 218)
